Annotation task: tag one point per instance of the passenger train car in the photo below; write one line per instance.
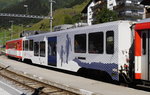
(14, 48)
(107, 47)
(142, 50)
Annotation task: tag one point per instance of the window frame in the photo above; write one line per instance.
(101, 33)
(85, 50)
(144, 43)
(37, 51)
(31, 45)
(44, 54)
(113, 47)
(26, 45)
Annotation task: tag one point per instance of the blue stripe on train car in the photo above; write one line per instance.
(110, 68)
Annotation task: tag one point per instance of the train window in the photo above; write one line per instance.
(144, 43)
(96, 43)
(31, 45)
(23, 45)
(42, 49)
(18, 45)
(80, 43)
(110, 42)
(26, 45)
(52, 48)
(36, 48)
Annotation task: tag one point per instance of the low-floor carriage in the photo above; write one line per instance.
(120, 49)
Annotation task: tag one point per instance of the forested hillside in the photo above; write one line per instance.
(62, 16)
(35, 7)
(7, 3)
(65, 11)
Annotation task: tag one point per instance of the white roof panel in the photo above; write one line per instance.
(144, 20)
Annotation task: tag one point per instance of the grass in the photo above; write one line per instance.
(5, 34)
(59, 18)
(6, 3)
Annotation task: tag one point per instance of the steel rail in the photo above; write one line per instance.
(38, 87)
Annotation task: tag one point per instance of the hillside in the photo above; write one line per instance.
(6, 3)
(61, 16)
(64, 11)
(34, 8)
(40, 7)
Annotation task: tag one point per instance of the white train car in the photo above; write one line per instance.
(104, 47)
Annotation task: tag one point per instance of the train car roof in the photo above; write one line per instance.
(143, 24)
(82, 28)
(144, 20)
(15, 39)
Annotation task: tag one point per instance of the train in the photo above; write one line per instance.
(118, 49)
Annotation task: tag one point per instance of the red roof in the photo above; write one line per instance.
(142, 26)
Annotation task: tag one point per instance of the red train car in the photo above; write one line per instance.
(14, 48)
(142, 50)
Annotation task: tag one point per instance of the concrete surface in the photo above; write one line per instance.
(6, 89)
(84, 85)
(3, 92)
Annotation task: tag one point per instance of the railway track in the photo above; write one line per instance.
(35, 86)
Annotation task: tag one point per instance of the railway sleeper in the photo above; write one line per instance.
(53, 91)
(35, 86)
(56, 91)
(30, 84)
(62, 93)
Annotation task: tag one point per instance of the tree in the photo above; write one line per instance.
(76, 18)
(68, 20)
(104, 15)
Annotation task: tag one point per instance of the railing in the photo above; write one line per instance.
(134, 5)
(133, 14)
(24, 16)
(128, 5)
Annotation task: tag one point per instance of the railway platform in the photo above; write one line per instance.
(3, 92)
(6, 89)
(70, 82)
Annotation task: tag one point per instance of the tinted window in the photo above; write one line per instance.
(12, 45)
(26, 45)
(23, 45)
(109, 42)
(80, 43)
(36, 48)
(31, 45)
(96, 43)
(144, 43)
(42, 49)
(52, 48)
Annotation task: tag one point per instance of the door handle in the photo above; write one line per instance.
(82, 58)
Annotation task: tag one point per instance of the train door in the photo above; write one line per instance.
(52, 51)
(145, 55)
